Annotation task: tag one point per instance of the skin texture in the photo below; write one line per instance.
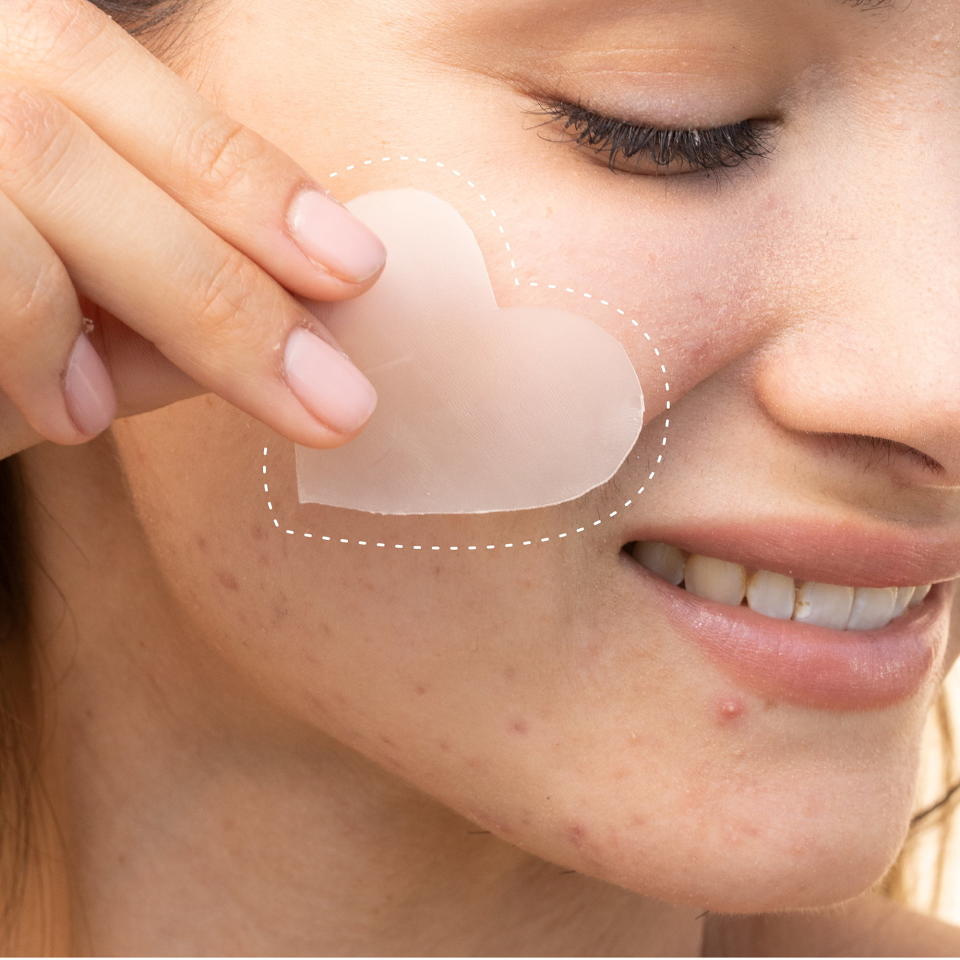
(257, 744)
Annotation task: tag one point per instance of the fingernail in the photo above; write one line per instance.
(330, 234)
(91, 401)
(327, 383)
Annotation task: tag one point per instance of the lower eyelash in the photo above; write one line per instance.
(698, 149)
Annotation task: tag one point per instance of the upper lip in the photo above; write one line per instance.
(846, 552)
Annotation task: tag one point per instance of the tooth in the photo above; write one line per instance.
(772, 594)
(903, 598)
(714, 579)
(823, 604)
(660, 558)
(872, 608)
(919, 594)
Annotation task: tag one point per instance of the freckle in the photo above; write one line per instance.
(227, 580)
(421, 689)
(728, 710)
(387, 741)
(256, 531)
(279, 613)
(767, 704)
(519, 726)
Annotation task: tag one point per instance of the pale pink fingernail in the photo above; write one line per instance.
(330, 234)
(88, 390)
(327, 383)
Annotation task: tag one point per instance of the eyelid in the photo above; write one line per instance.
(704, 149)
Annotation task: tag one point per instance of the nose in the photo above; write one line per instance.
(871, 346)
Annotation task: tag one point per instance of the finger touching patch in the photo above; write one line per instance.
(481, 408)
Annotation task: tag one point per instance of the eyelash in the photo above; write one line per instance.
(709, 149)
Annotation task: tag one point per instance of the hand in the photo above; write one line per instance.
(183, 233)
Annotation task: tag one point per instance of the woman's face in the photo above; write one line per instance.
(805, 300)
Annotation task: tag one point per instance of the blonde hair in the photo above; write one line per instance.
(931, 827)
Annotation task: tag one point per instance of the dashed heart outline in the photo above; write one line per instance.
(563, 536)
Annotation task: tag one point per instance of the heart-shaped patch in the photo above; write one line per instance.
(481, 408)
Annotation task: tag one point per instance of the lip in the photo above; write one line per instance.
(842, 552)
(807, 665)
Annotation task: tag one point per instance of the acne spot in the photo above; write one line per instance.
(576, 834)
(227, 580)
(519, 725)
(729, 709)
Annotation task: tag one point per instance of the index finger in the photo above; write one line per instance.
(232, 179)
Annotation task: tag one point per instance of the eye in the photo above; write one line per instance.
(658, 151)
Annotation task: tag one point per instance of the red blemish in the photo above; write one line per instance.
(444, 745)
(509, 673)
(519, 726)
(576, 834)
(256, 531)
(227, 580)
(620, 773)
(421, 689)
(638, 820)
(729, 709)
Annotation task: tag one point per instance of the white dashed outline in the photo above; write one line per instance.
(558, 537)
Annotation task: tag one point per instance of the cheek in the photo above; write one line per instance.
(525, 695)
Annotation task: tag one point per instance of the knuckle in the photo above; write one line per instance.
(37, 296)
(222, 298)
(31, 302)
(47, 32)
(31, 124)
(219, 152)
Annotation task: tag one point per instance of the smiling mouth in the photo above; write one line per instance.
(775, 595)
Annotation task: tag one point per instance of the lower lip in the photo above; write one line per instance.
(807, 665)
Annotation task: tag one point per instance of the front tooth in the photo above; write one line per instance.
(919, 594)
(872, 608)
(823, 605)
(772, 594)
(904, 595)
(714, 579)
(660, 558)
